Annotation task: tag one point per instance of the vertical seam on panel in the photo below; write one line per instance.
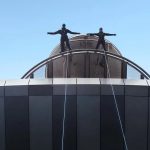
(29, 125)
(148, 117)
(4, 117)
(100, 109)
(52, 114)
(76, 117)
(124, 111)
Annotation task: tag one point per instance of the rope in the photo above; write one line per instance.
(64, 107)
(116, 104)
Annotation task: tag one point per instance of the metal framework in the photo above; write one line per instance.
(124, 61)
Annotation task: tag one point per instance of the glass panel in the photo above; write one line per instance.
(40, 73)
(132, 73)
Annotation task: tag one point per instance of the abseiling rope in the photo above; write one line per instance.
(64, 106)
(113, 92)
(115, 100)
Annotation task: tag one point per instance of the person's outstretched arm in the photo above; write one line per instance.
(57, 32)
(72, 32)
(91, 34)
(108, 34)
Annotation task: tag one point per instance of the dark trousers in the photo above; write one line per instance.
(63, 41)
(102, 62)
(103, 44)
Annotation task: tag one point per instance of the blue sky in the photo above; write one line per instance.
(24, 24)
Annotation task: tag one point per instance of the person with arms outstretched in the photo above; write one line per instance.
(101, 39)
(64, 38)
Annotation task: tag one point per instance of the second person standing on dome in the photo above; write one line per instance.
(101, 39)
(64, 38)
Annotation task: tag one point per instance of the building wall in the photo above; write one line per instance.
(31, 114)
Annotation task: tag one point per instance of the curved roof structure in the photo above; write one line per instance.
(86, 62)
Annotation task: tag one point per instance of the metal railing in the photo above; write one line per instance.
(124, 60)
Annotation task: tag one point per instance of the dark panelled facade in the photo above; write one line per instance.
(110, 127)
(111, 136)
(136, 131)
(2, 116)
(40, 114)
(32, 113)
(17, 122)
(40, 110)
(70, 122)
(88, 115)
(148, 126)
(136, 116)
(88, 126)
(2, 124)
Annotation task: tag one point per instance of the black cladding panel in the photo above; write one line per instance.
(88, 122)
(40, 109)
(70, 122)
(17, 122)
(61, 89)
(20, 90)
(38, 90)
(2, 124)
(111, 137)
(1, 91)
(136, 88)
(136, 117)
(33, 120)
(149, 125)
(88, 90)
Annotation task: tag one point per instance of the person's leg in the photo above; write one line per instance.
(97, 46)
(62, 45)
(103, 61)
(68, 44)
(104, 45)
(98, 43)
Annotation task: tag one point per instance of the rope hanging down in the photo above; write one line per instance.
(115, 100)
(64, 106)
(113, 92)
